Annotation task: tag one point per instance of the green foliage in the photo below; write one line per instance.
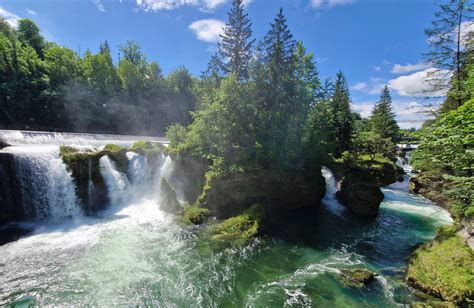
(370, 143)
(47, 87)
(236, 45)
(239, 230)
(444, 268)
(382, 120)
(195, 215)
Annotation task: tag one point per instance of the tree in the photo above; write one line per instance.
(29, 34)
(447, 38)
(382, 120)
(341, 115)
(371, 143)
(236, 45)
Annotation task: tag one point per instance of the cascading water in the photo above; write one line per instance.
(48, 191)
(134, 254)
(331, 189)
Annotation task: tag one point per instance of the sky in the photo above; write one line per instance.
(374, 42)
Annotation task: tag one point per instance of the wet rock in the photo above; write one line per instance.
(11, 207)
(195, 215)
(357, 277)
(230, 196)
(360, 193)
(169, 201)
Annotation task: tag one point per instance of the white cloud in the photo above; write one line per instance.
(99, 5)
(408, 68)
(466, 28)
(12, 19)
(371, 87)
(205, 5)
(418, 84)
(408, 113)
(207, 30)
(31, 12)
(320, 4)
(376, 68)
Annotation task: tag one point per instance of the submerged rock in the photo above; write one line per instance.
(357, 277)
(169, 200)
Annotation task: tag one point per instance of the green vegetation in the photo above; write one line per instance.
(49, 87)
(356, 277)
(195, 215)
(239, 230)
(444, 268)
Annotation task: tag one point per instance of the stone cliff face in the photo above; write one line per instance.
(360, 185)
(230, 196)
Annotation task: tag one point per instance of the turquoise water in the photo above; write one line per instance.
(138, 255)
(134, 254)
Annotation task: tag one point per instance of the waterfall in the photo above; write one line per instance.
(47, 188)
(331, 189)
(117, 182)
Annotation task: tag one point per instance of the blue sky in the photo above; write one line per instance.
(374, 42)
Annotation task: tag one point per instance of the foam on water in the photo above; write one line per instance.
(48, 191)
(331, 189)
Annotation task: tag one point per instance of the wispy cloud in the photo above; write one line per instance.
(31, 12)
(207, 30)
(418, 84)
(372, 87)
(11, 18)
(204, 5)
(408, 68)
(321, 4)
(99, 5)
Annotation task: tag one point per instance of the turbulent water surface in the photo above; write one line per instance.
(135, 254)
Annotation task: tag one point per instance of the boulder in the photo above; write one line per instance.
(360, 192)
(169, 201)
(356, 277)
(239, 230)
(195, 215)
(231, 195)
(85, 170)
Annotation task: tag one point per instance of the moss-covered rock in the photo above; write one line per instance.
(230, 195)
(444, 268)
(118, 155)
(360, 192)
(356, 277)
(195, 215)
(169, 201)
(85, 169)
(239, 230)
(11, 207)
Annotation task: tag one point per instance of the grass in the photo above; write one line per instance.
(444, 268)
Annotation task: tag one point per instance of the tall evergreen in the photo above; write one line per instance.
(382, 120)
(342, 120)
(236, 45)
(447, 38)
(279, 47)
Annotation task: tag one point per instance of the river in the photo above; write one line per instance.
(135, 254)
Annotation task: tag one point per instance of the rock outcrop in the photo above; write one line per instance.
(10, 195)
(229, 196)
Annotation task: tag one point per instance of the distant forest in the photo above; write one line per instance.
(44, 86)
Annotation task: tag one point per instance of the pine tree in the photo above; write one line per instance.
(236, 45)
(214, 68)
(446, 39)
(342, 120)
(382, 120)
(279, 47)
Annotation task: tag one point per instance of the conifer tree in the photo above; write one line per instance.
(342, 120)
(382, 120)
(236, 45)
(447, 38)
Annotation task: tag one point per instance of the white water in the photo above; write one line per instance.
(47, 188)
(329, 199)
